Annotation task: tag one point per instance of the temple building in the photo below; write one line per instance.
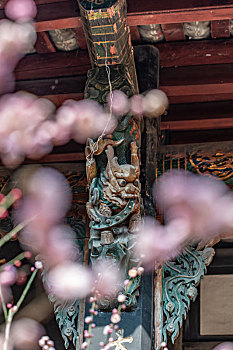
(85, 49)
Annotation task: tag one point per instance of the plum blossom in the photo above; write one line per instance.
(83, 119)
(8, 275)
(48, 189)
(204, 204)
(21, 10)
(46, 201)
(107, 278)
(25, 334)
(136, 104)
(195, 208)
(21, 37)
(69, 281)
(157, 243)
(21, 115)
(224, 346)
(118, 102)
(155, 103)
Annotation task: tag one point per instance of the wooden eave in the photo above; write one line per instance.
(196, 75)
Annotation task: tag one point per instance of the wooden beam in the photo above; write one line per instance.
(197, 83)
(65, 14)
(55, 86)
(220, 29)
(207, 147)
(43, 43)
(181, 84)
(135, 35)
(173, 31)
(204, 124)
(171, 54)
(59, 64)
(179, 11)
(62, 157)
(198, 116)
(80, 37)
(191, 53)
(199, 111)
(198, 136)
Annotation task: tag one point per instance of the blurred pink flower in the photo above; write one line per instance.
(21, 10)
(56, 247)
(155, 103)
(7, 80)
(25, 334)
(69, 281)
(46, 201)
(201, 201)
(157, 243)
(119, 103)
(90, 121)
(224, 346)
(8, 276)
(136, 104)
(20, 36)
(107, 278)
(84, 119)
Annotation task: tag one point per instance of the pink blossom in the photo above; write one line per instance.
(22, 130)
(224, 346)
(107, 277)
(20, 36)
(155, 103)
(69, 281)
(46, 201)
(136, 104)
(50, 191)
(22, 10)
(157, 243)
(58, 246)
(203, 202)
(115, 318)
(25, 334)
(107, 330)
(119, 103)
(84, 119)
(8, 276)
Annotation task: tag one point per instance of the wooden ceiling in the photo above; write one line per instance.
(197, 75)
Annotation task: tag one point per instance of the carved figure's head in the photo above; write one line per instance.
(122, 180)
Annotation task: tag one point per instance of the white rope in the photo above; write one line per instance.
(94, 146)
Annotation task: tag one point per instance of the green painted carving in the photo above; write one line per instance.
(113, 179)
(181, 278)
(113, 160)
(67, 313)
(67, 319)
(114, 209)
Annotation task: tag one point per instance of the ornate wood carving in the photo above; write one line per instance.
(113, 160)
(181, 277)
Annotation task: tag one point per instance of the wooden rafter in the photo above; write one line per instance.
(190, 53)
(43, 43)
(58, 14)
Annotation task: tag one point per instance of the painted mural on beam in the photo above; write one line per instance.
(113, 165)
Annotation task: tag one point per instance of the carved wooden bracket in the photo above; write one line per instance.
(112, 166)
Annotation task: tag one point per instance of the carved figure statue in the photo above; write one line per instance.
(114, 209)
(112, 160)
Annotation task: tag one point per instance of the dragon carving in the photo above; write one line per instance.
(114, 208)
